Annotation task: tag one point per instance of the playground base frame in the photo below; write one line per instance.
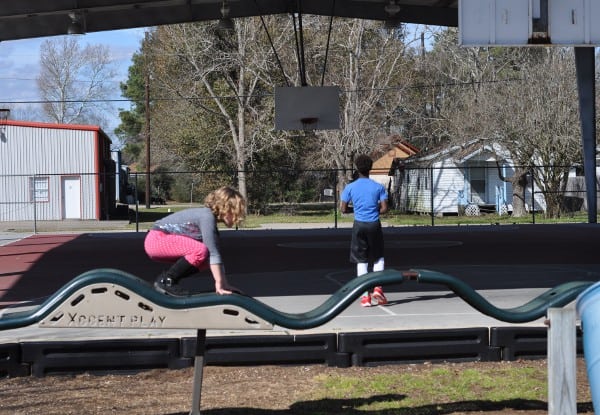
(113, 299)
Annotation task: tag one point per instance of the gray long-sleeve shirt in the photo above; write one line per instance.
(196, 223)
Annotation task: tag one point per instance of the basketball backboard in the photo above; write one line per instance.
(528, 22)
(494, 22)
(307, 108)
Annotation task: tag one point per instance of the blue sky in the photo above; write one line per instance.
(19, 66)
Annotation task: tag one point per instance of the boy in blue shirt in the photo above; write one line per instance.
(369, 200)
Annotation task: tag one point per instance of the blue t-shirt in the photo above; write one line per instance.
(365, 195)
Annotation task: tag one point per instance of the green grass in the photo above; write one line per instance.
(484, 219)
(327, 216)
(420, 392)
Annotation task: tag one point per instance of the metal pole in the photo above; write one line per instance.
(192, 194)
(335, 199)
(505, 190)
(431, 197)
(147, 111)
(198, 370)
(34, 205)
(533, 197)
(137, 205)
(145, 46)
(586, 85)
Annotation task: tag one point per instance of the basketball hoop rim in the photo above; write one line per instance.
(308, 123)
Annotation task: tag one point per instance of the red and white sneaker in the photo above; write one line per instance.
(379, 297)
(365, 301)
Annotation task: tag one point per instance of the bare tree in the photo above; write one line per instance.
(75, 82)
(523, 98)
(373, 67)
(212, 92)
(541, 114)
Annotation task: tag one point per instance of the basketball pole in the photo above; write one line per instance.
(586, 85)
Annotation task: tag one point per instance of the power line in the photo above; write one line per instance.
(4, 78)
(157, 99)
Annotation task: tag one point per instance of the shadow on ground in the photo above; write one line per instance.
(354, 406)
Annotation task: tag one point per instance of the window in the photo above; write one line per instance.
(38, 189)
(424, 179)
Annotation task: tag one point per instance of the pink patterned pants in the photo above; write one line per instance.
(164, 247)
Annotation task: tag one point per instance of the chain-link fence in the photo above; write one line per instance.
(488, 188)
(436, 193)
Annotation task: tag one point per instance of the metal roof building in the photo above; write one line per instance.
(54, 172)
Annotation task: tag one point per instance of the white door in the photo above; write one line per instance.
(71, 197)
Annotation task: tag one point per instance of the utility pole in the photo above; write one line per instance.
(147, 113)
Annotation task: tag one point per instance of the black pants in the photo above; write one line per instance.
(367, 242)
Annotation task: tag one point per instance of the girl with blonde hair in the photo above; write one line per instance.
(189, 239)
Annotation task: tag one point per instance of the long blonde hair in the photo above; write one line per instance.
(224, 200)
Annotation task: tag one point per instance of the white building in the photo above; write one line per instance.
(55, 172)
(449, 180)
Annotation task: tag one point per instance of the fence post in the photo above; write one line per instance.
(34, 204)
(335, 199)
(533, 197)
(431, 192)
(192, 193)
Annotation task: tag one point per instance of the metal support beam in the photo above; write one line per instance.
(198, 371)
(586, 84)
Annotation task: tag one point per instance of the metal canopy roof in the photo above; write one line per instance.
(37, 18)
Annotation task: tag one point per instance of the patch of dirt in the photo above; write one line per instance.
(256, 390)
